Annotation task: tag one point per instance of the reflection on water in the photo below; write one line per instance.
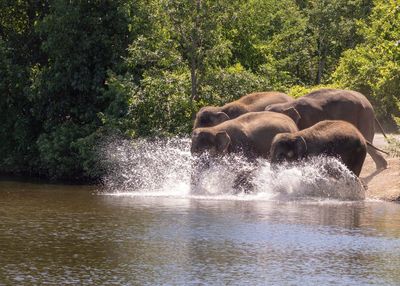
(74, 235)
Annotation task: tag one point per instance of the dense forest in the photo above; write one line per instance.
(73, 72)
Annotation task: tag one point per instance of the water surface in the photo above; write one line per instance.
(61, 235)
(292, 224)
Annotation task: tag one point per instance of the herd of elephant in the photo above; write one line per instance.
(273, 125)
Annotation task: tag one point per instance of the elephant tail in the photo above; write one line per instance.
(376, 148)
(380, 127)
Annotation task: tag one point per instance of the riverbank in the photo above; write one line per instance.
(383, 185)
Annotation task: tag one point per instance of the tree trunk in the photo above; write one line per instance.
(195, 39)
(321, 67)
(321, 62)
(193, 54)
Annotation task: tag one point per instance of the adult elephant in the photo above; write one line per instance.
(334, 104)
(329, 137)
(211, 115)
(251, 134)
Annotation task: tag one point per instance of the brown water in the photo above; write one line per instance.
(59, 235)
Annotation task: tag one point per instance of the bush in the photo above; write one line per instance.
(299, 90)
(225, 85)
(68, 153)
(158, 106)
(373, 67)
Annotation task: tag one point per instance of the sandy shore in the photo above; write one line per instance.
(385, 184)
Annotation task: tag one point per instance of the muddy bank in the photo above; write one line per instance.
(384, 185)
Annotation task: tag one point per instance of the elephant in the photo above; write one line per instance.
(210, 115)
(330, 137)
(335, 104)
(251, 133)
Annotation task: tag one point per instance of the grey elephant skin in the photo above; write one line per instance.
(334, 104)
(251, 133)
(330, 137)
(210, 115)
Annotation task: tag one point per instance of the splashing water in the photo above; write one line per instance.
(165, 167)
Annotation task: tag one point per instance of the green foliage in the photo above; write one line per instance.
(373, 67)
(73, 72)
(19, 49)
(225, 85)
(269, 38)
(296, 43)
(160, 106)
(299, 90)
(82, 41)
(54, 62)
(156, 107)
(332, 29)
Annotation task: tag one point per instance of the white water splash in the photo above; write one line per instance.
(165, 168)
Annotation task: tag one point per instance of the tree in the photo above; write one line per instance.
(20, 53)
(332, 30)
(82, 41)
(269, 38)
(72, 71)
(373, 67)
(198, 30)
(185, 45)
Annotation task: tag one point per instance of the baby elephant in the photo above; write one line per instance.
(330, 137)
(251, 133)
(212, 115)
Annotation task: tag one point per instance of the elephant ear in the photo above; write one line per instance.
(301, 146)
(222, 141)
(272, 107)
(292, 113)
(222, 117)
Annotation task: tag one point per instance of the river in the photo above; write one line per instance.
(301, 224)
(60, 235)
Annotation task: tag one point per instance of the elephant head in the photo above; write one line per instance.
(285, 109)
(204, 140)
(209, 116)
(288, 147)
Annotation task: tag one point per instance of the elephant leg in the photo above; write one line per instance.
(380, 162)
(194, 182)
(199, 166)
(357, 163)
(243, 182)
(366, 124)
